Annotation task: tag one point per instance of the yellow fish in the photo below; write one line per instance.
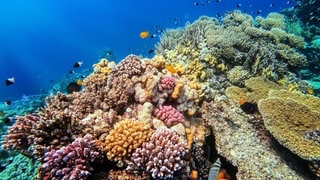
(144, 34)
(79, 82)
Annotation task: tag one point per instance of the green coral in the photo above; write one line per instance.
(22, 167)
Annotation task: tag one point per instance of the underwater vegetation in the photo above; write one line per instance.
(220, 99)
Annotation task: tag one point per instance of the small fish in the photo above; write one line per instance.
(196, 3)
(73, 87)
(77, 64)
(238, 5)
(153, 36)
(259, 11)
(214, 170)
(10, 81)
(248, 107)
(218, 1)
(71, 72)
(7, 103)
(150, 51)
(80, 82)
(288, 2)
(144, 34)
(51, 81)
(271, 5)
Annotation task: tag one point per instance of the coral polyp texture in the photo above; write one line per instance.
(72, 161)
(161, 157)
(169, 115)
(124, 138)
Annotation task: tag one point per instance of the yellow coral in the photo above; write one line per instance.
(158, 61)
(126, 136)
(177, 89)
(288, 121)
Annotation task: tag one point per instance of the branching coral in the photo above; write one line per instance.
(72, 161)
(17, 138)
(161, 157)
(169, 115)
(126, 136)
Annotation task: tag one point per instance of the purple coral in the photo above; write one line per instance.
(167, 83)
(169, 115)
(72, 161)
(161, 157)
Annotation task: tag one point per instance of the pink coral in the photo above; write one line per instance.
(162, 156)
(169, 115)
(167, 82)
(72, 161)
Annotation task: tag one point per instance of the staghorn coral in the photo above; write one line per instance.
(126, 136)
(161, 157)
(70, 162)
(169, 115)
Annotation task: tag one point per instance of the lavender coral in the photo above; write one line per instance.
(70, 162)
(169, 115)
(161, 157)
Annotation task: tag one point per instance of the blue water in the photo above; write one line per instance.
(41, 40)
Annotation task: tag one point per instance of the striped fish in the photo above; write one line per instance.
(214, 170)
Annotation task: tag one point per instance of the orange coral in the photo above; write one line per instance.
(177, 89)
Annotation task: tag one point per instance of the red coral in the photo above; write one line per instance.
(169, 115)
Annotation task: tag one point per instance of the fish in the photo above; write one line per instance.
(77, 64)
(80, 82)
(214, 170)
(153, 36)
(238, 5)
(259, 11)
(71, 72)
(248, 107)
(288, 2)
(196, 3)
(144, 34)
(218, 1)
(7, 102)
(271, 4)
(170, 68)
(73, 87)
(150, 51)
(10, 81)
(51, 81)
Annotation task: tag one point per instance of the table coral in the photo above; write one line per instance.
(124, 138)
(288, 121)
(161, 157)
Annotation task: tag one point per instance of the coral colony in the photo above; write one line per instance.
(151, 118)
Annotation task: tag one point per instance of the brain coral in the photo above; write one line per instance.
(289, 120)
(126, 136)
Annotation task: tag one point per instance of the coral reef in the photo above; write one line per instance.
(169, 115)
(126, 136)
(72, 161)
(161, 157)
